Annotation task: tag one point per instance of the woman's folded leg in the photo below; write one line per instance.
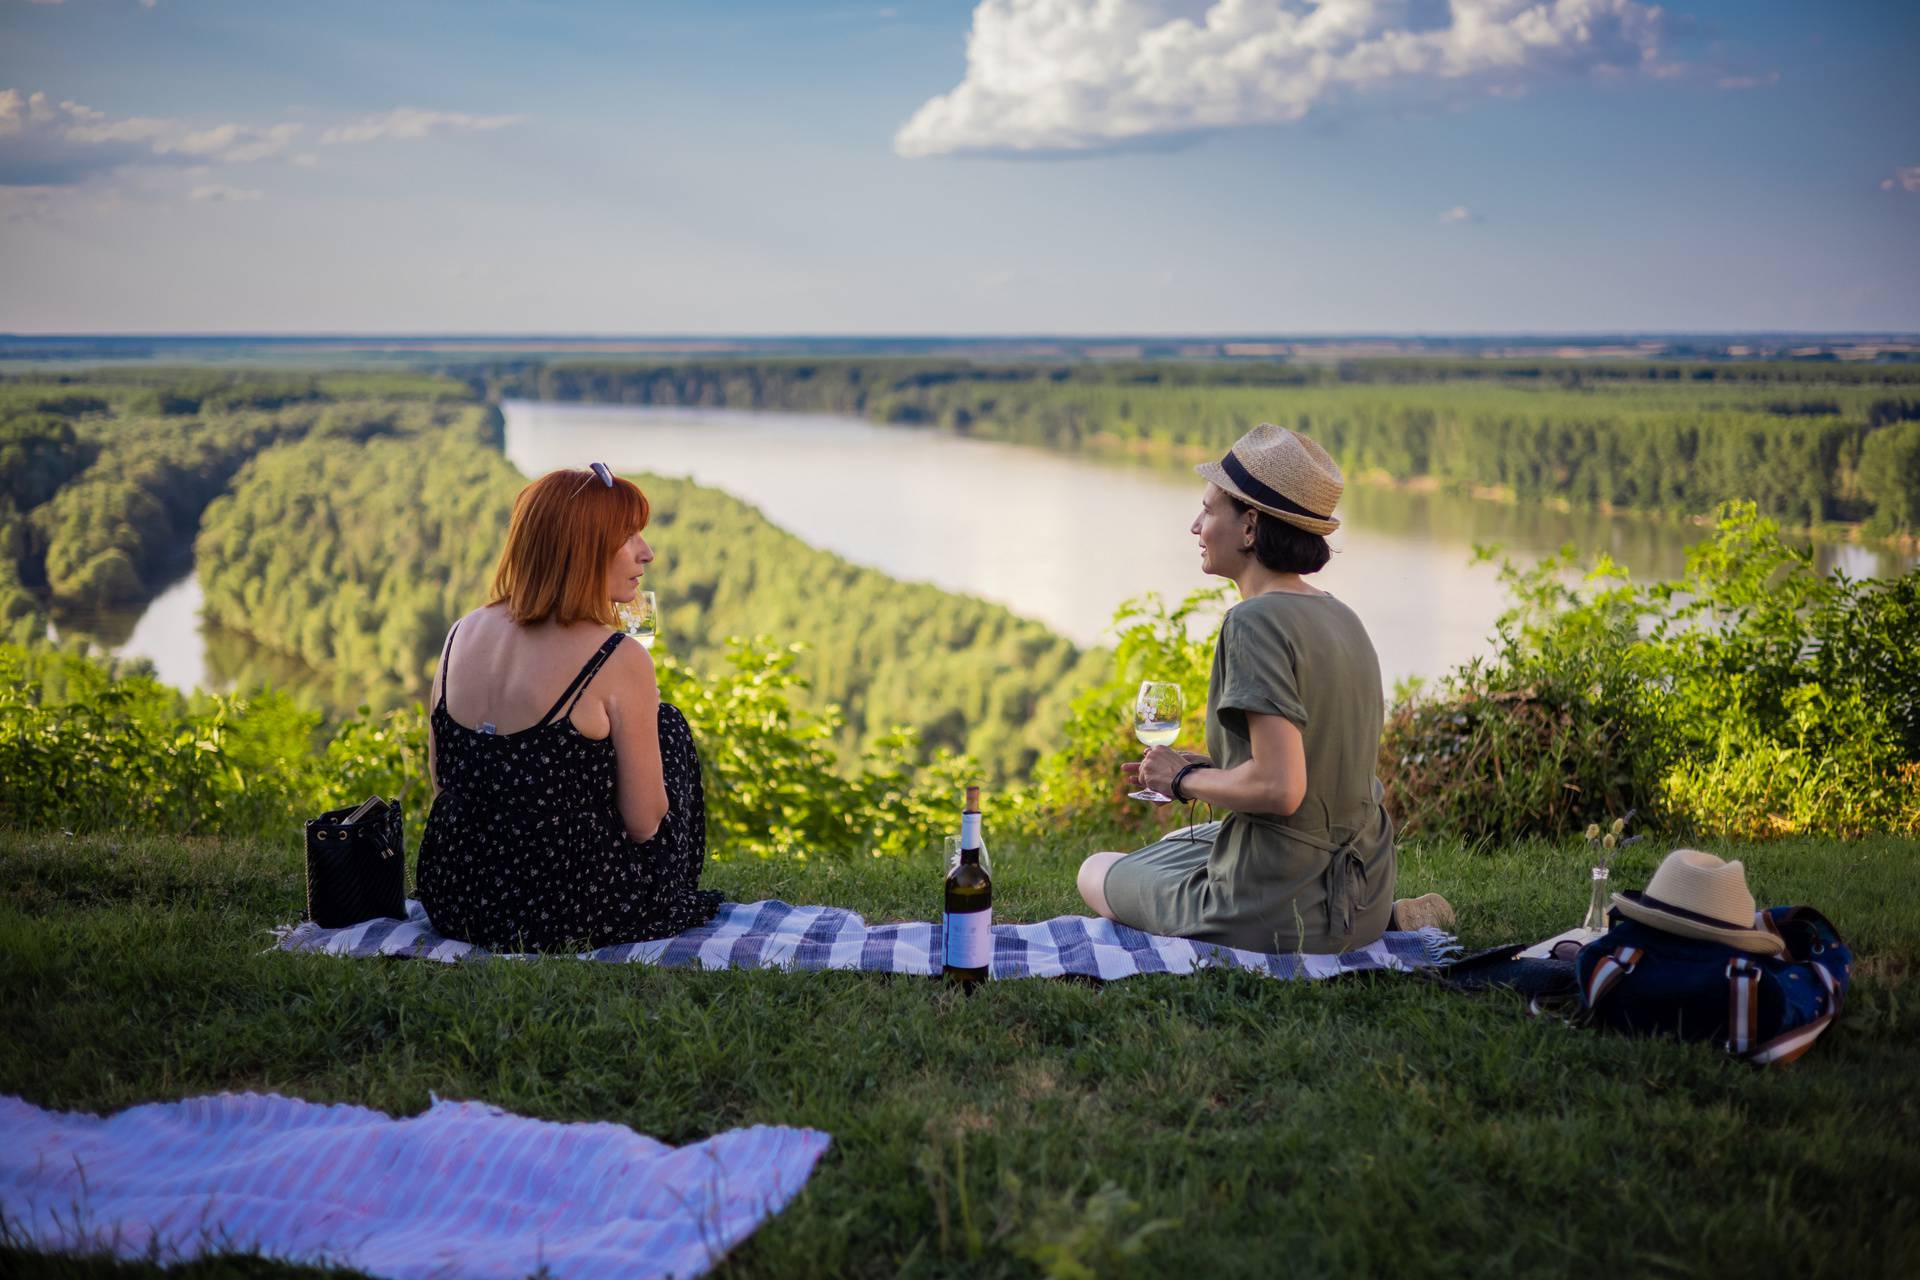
(1093, 881)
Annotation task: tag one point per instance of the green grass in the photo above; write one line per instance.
(1220, 1124)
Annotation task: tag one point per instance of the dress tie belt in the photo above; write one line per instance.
(1346, 882)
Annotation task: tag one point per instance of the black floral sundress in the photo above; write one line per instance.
(525, 850)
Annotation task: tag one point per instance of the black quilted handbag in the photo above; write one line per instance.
(356, 864)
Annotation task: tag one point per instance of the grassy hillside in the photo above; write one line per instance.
(1210, 1125)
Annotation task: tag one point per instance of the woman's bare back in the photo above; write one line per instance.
(509, 675)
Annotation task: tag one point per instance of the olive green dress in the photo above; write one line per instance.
(1321, 879)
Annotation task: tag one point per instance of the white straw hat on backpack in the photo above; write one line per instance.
(1697, 895)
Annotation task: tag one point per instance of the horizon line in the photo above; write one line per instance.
(419, 335)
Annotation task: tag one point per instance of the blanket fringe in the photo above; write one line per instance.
(1441, 946)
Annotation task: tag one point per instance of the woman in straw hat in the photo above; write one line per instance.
(1304, 859)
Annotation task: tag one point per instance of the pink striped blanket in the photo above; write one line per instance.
(464, 1189)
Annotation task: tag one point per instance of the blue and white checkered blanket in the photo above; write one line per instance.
(777, 935)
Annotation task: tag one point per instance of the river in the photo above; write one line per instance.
(1061, 538)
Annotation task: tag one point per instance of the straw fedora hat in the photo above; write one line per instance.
(1283, 473)
(1696, 895)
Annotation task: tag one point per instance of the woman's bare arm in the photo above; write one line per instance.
(433, 700)
(633, 713)
(1273, 780)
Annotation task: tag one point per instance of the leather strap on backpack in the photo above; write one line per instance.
(1608, 972)
(1788, 1045)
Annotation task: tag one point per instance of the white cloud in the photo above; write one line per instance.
(233, 143)
(1906, 178)
(220, 193)
(44, 143)
(412, 122)
(1460, 213)
(1083, 75)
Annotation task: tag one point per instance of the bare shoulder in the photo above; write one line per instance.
(475, 621)
(631, 664)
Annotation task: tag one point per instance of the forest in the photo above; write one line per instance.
(340, 522)
(357, 560)
(103, 478)
(1810, 442)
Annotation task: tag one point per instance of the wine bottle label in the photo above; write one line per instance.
(969, 831)
(969, 938)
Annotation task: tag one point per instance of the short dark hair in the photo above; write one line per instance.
(1283, 547)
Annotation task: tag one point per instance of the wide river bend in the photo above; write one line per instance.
(1058, 537)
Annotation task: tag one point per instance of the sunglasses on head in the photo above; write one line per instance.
(599, 469)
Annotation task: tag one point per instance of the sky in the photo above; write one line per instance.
(950, 167)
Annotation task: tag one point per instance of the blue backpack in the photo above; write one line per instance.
(1765, 1009)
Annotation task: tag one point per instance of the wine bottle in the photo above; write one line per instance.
(969, 916)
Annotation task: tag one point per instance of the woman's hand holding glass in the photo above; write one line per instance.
(1155, 772)
(1156, 722)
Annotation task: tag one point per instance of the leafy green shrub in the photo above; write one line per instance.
(1541, 737)
(1753, 696)
(84, 747)
(773, 784)
(383, 755)
(87, 746)
(1080, 782)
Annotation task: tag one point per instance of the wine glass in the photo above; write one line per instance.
(1156, 722)
(640, 618)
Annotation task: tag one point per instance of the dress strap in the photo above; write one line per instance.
(446, 668)
(571, 697)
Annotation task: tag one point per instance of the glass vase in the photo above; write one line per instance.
(1596, 921)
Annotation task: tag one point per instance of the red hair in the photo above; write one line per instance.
(566, 526)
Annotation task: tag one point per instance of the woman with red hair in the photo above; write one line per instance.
(583, 826)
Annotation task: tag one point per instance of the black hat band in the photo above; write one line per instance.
(1680, 913)
(1260, 492)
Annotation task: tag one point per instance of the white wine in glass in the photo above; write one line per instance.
(1156, 722)
(640, 618)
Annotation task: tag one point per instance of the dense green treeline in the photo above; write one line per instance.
(355, 557)
(357, 560)
(103, 477)
(1579, 372)
(1808, 443)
